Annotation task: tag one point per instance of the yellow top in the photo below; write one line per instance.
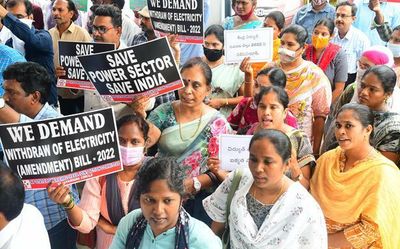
(369, 190)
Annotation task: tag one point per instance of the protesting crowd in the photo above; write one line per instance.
(142, 124)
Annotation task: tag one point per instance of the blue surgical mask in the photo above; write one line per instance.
(395, 48)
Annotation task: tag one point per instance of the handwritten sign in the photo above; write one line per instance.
(254, 43)
(182, 17)
(68, 149)
(234, 151)
(148, 69)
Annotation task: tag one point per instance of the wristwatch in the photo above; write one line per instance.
(196, 184)
(2, 103)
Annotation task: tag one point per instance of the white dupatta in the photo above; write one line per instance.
(295, 220)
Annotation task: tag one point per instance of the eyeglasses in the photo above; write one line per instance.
(343, 16)
(101, 29)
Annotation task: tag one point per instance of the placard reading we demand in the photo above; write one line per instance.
(234, 151)
(68, 149)
(182, 17)
(254, 43)
(75, 75)
(148, 69)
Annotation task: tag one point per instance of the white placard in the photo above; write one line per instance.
(233, 151)
(254, 43)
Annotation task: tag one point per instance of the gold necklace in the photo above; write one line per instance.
(276, 196)
(180, 127)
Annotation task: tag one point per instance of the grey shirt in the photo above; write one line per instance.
(337, 69)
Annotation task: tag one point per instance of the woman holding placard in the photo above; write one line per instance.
(244, 17)
(105, 200)
(227, 79)
(272, 103)
(185, 129)
(268, 210)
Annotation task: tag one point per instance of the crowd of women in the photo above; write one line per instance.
(322, 160)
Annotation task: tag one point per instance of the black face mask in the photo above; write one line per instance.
(213, 54)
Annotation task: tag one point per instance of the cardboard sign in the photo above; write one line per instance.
(182, 17)
(75, 75)
(234, 151)
(254, 43)
(148, 69)
(68, 149)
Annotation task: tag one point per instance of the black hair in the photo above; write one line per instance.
(347, 3)
(32, 77)
(276, 76)
(279, 91)
(12, 193)
(160, 168)
(27, 3)
(396, 28)
(386, 75)
(254, 2)
(139, 121)
(278, 18)
(216, 30)
(298, 31)
(111, 11)
(119, 3)
(362, 113)
(72, 7)
(327, 22)
(280, 140)
(197, 61)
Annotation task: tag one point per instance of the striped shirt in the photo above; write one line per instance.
(353, 43)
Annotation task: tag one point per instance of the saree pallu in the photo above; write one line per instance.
(310, 94)
(369, 191)
(295, 220)
(193, 154)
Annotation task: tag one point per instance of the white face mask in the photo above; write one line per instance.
(395, 48)
(286, 55)
(131, 156)
(18, 44)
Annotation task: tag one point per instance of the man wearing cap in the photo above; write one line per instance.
(146, 35)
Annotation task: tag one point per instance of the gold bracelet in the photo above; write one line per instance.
(69, 208)
(226, 102)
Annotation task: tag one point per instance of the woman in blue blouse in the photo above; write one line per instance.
(162, 222)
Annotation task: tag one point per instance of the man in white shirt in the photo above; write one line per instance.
(21, 225)
(352, 40)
